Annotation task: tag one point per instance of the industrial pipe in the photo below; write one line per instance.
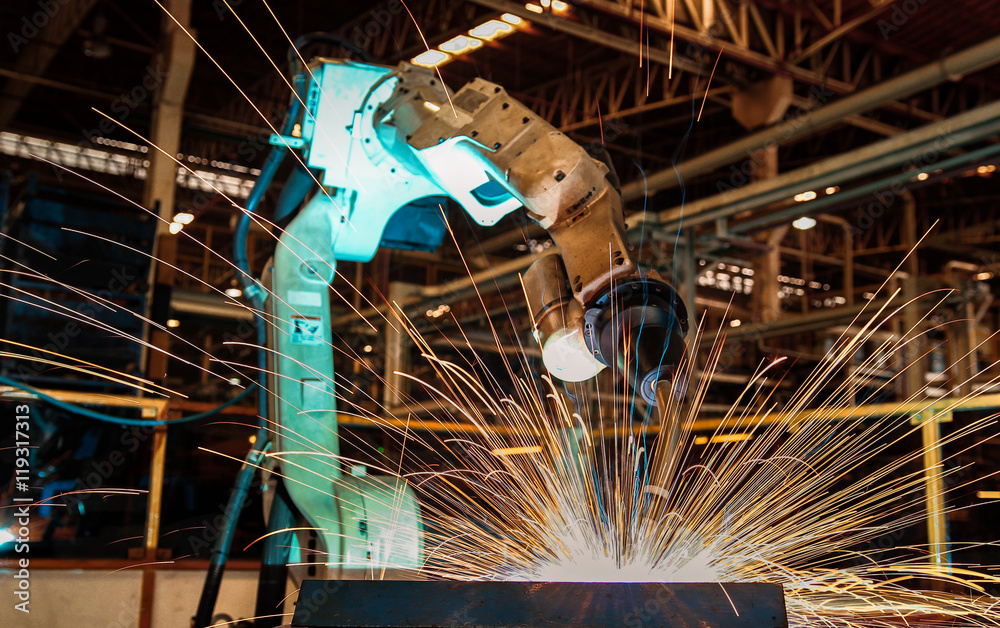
(867, 190)
(950, 68)
(958, 130)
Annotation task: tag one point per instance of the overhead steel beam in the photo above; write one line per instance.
(202, 304)
(500, 275)
(593, 95)
(951, 68)
(199, 121)
(842, 30)
(846, 109)
(736, 47)
(798, 324)
(37, 53)
(41, 80)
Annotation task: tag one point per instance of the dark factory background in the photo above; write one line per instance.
(779, 197)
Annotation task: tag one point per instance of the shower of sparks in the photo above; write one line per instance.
(771, 508)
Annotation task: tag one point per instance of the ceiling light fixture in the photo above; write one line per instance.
(492, 29)
(804, 223)
(431, 58)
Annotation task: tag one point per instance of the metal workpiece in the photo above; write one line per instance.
(402, 604)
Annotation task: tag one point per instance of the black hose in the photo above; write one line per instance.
(297, 187)
(220, 551)
(274, 562)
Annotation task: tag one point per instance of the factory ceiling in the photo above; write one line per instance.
(599, 63)
(660, 83)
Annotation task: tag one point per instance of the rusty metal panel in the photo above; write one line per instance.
(403, 604)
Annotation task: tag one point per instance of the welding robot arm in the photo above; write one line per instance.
(387, 142)
(388, 139)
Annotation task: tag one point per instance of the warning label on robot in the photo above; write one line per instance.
(306, 330)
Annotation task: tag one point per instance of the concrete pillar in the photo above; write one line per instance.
(397, 349)
(766, 303)
(176, 60)
(757, 105)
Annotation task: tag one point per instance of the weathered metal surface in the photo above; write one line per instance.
(402, 604)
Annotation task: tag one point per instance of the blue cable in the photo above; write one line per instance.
(110, 418)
